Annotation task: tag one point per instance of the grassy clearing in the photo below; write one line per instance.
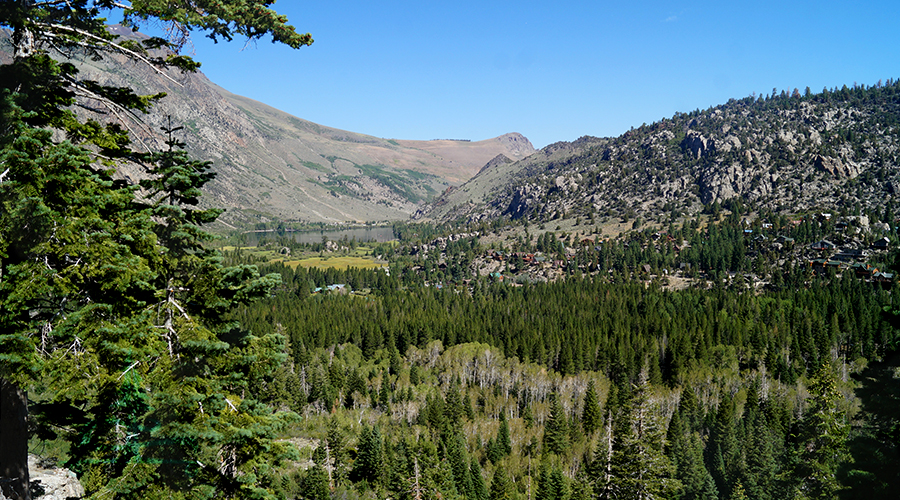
(359, 258)
(342, 262)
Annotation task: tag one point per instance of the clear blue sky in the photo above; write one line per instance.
(553, 71)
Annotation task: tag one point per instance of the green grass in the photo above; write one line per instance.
(341, 262)
(358, 258)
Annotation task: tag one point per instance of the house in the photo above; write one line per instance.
(784, 240)
(882, 244)
(340, 288)
(864, 270)
(886, 279)
(818, 264)
(823, 245)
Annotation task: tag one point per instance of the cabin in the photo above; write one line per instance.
(885, 279)
(823, 245)
(784, 240)
(864, 270)
(882, 244)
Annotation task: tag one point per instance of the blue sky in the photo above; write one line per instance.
(553, 71)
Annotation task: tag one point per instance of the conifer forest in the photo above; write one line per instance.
(156, 361)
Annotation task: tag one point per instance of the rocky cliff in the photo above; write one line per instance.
(837, 150)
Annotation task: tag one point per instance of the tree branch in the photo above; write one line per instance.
(111, 106)
(114, 45)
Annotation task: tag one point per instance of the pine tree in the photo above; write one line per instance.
(759, 475)
(556, 431)
(543, 491)
(479, 489)
(723, 452)
(459, 464)
(92, 276)
(823, 440)
(591, 415)
(367, 466)
(315, 484)
(336, 443)
(503, 443)
(640, 469)
(501, 487)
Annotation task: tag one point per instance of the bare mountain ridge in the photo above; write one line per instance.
(837, 150)
(271, 165)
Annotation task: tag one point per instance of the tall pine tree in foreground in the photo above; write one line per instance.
(639, 468)
(822, 445)
(109, 297)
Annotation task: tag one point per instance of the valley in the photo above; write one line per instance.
(216, 299)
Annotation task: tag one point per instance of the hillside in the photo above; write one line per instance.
(272, 165)
(786, 152)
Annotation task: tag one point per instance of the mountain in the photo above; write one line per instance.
(274, 166)
(836, 150)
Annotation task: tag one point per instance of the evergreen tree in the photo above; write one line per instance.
(543, 490)
(92, 276)
(759, 478)
(558, 488)
(459, 464)
(314, 485)
(336, 443)
(591, 415)
(723, 452)
(479, 489)
(501, 486)
(503, 443)
(640, 469)
(556, 431)
(367, 466)
(823, 440)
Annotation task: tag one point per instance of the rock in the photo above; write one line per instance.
(49, 482)
(697, 144)
(831, 165)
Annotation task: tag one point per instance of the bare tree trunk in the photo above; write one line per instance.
(23, 38)
(14, 478)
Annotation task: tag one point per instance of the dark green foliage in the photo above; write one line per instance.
(503, 442)
(459, 464)
(639, 468)
(479, 489)
(591, 416)
(368, 464)
(723, 452)
(336, 444)
(111, 303)
(822, 443)
(501, 487)
(314, 485)
(551, 485)
(556, 430)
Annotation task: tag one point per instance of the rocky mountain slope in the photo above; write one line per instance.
(836, 150)
(272, 165)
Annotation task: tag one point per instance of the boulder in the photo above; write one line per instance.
(49, 482)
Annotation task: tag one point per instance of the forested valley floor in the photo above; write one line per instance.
(597, 385)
